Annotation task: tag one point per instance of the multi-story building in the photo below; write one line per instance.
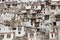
(31, 20)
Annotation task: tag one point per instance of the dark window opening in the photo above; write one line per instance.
(25, 14)
(33, 20)
(13, 28)
(19, 29)
(46, 17)
(31, 23)
(33, 15)
(53, 29)
(19, 32)
(38, 30)
(36, 24)
(8, 5)
(36, 6)
(18, 14)
(54, 23)
(59, 6)
(14, 4)
(2, 36)
(31, 35)
(3, 0)
(52, 35)
(42, 6)
(38, 11)
(8, 36)
(32, 7)
(27, 9)
(7, 25)
(57, 17)
(53, 7)
(47, 3)
(13, 32)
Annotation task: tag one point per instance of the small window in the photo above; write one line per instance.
(3, 0)
(8, 36)
(13, 28)
(2, 36)
(59, 6)
(31, 23)
(46, 17)
(33, 15)
(54, 23)
(36, 24)
(7, 25)
(8, 0)
(53, 7)
(47, 3)
(18, 14)
(31, 35)
(19, 32)
(19, 29)
(42, 6)
(38, 30)
(14, 4)
(13, 32)
(8, 5)
(36, 6)
(57, 17)
(52, 35)
(32, 7)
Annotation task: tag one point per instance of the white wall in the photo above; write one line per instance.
(28, 0)
(5, 37)
(21, 34)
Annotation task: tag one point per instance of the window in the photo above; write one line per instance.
(19, 32)
(31, 23)
(36, 6)
(8, 5)
(18, 14)
(33, 15)
(59, 6)
(57, 17)
(13, 32)
(14, 4)
(42, 6)
(54, 23)
(13, 28)
(19, 29)
(8, 0)
(7, 25)
(47, 2)
(36, 24)
(32, 7)
(3, 0)
(38, 11)
(8, 36)
(52, 35)
(38, 30)
(25, 14)
(31, 35)
(2, 36)
(46, 17)
(53, 7)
